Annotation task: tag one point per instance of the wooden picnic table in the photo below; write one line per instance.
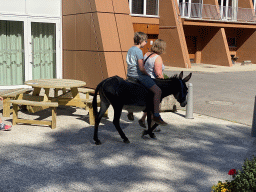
(68, 98)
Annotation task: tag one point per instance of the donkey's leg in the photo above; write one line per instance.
(103, 108)
(116, 122)
(150, 130)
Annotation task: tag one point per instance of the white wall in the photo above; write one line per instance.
(49, 8)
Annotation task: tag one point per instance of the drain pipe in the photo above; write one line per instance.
(254, 120)
(189, 107)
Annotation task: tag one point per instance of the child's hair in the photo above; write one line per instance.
(139, 37)
(158, 46)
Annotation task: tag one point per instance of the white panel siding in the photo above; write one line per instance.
(48, 8)
(13, 6)
(44, 7)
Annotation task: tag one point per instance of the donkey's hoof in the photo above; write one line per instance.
(152, 135)
(145, 132)
(98, 142)
(126, 141)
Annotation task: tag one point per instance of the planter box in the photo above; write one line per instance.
(169, 103)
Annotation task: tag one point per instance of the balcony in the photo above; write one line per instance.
(218, 13)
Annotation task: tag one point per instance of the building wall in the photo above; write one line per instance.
(215, 48)
(96, 37)
(41, 8)
(245, 4)
(171, 30)
(246, 45)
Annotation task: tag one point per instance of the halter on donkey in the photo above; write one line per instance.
(122, 94)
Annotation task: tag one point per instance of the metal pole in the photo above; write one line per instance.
(254, 121)
(189, 108)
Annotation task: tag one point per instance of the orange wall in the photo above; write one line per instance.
(215, 48)
(171, 30)
(211, 2)
(246, 45)
(96, 37)
(245, 4)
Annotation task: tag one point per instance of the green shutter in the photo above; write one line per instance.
(43, 50)
(11, 53)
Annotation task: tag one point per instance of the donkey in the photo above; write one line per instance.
(122, 94)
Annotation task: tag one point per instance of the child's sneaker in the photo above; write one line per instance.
(4, 127)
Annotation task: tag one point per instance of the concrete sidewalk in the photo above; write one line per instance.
(214, 68)
(188, 154)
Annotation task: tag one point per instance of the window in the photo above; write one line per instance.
(144, 7)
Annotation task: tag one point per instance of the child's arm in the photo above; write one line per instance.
(1, 98)
(141, 66)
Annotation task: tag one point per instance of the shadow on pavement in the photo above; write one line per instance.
(183, 158)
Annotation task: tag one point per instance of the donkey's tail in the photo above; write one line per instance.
(94, 101)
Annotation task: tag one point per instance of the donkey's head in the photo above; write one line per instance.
(181, 96)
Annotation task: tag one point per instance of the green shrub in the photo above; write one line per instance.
(245, 180)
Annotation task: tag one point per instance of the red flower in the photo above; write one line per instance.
(232, 172)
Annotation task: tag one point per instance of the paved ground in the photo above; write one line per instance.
(189, 155)
(223, 92)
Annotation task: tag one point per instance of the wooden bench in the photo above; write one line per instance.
(52, 105)
(87, 91)
(88, 102)
(11, 94)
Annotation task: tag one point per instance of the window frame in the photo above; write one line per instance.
(144, 9)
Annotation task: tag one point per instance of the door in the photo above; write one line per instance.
(12, 61)
(43, 45)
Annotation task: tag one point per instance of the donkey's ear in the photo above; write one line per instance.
(181, 75)
(186, 79)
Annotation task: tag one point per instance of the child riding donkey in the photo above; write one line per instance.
(136, 70)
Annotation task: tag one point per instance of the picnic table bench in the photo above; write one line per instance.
(52, 105)
(12, 94)
(88, 102)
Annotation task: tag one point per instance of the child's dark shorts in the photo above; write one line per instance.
(146, 80)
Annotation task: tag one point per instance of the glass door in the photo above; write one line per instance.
(12, 62)
(43, 44)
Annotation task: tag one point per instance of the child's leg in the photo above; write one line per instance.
(157, 96)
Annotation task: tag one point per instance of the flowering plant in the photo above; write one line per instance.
(227, 186)
(232, 172)
(243, 181)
